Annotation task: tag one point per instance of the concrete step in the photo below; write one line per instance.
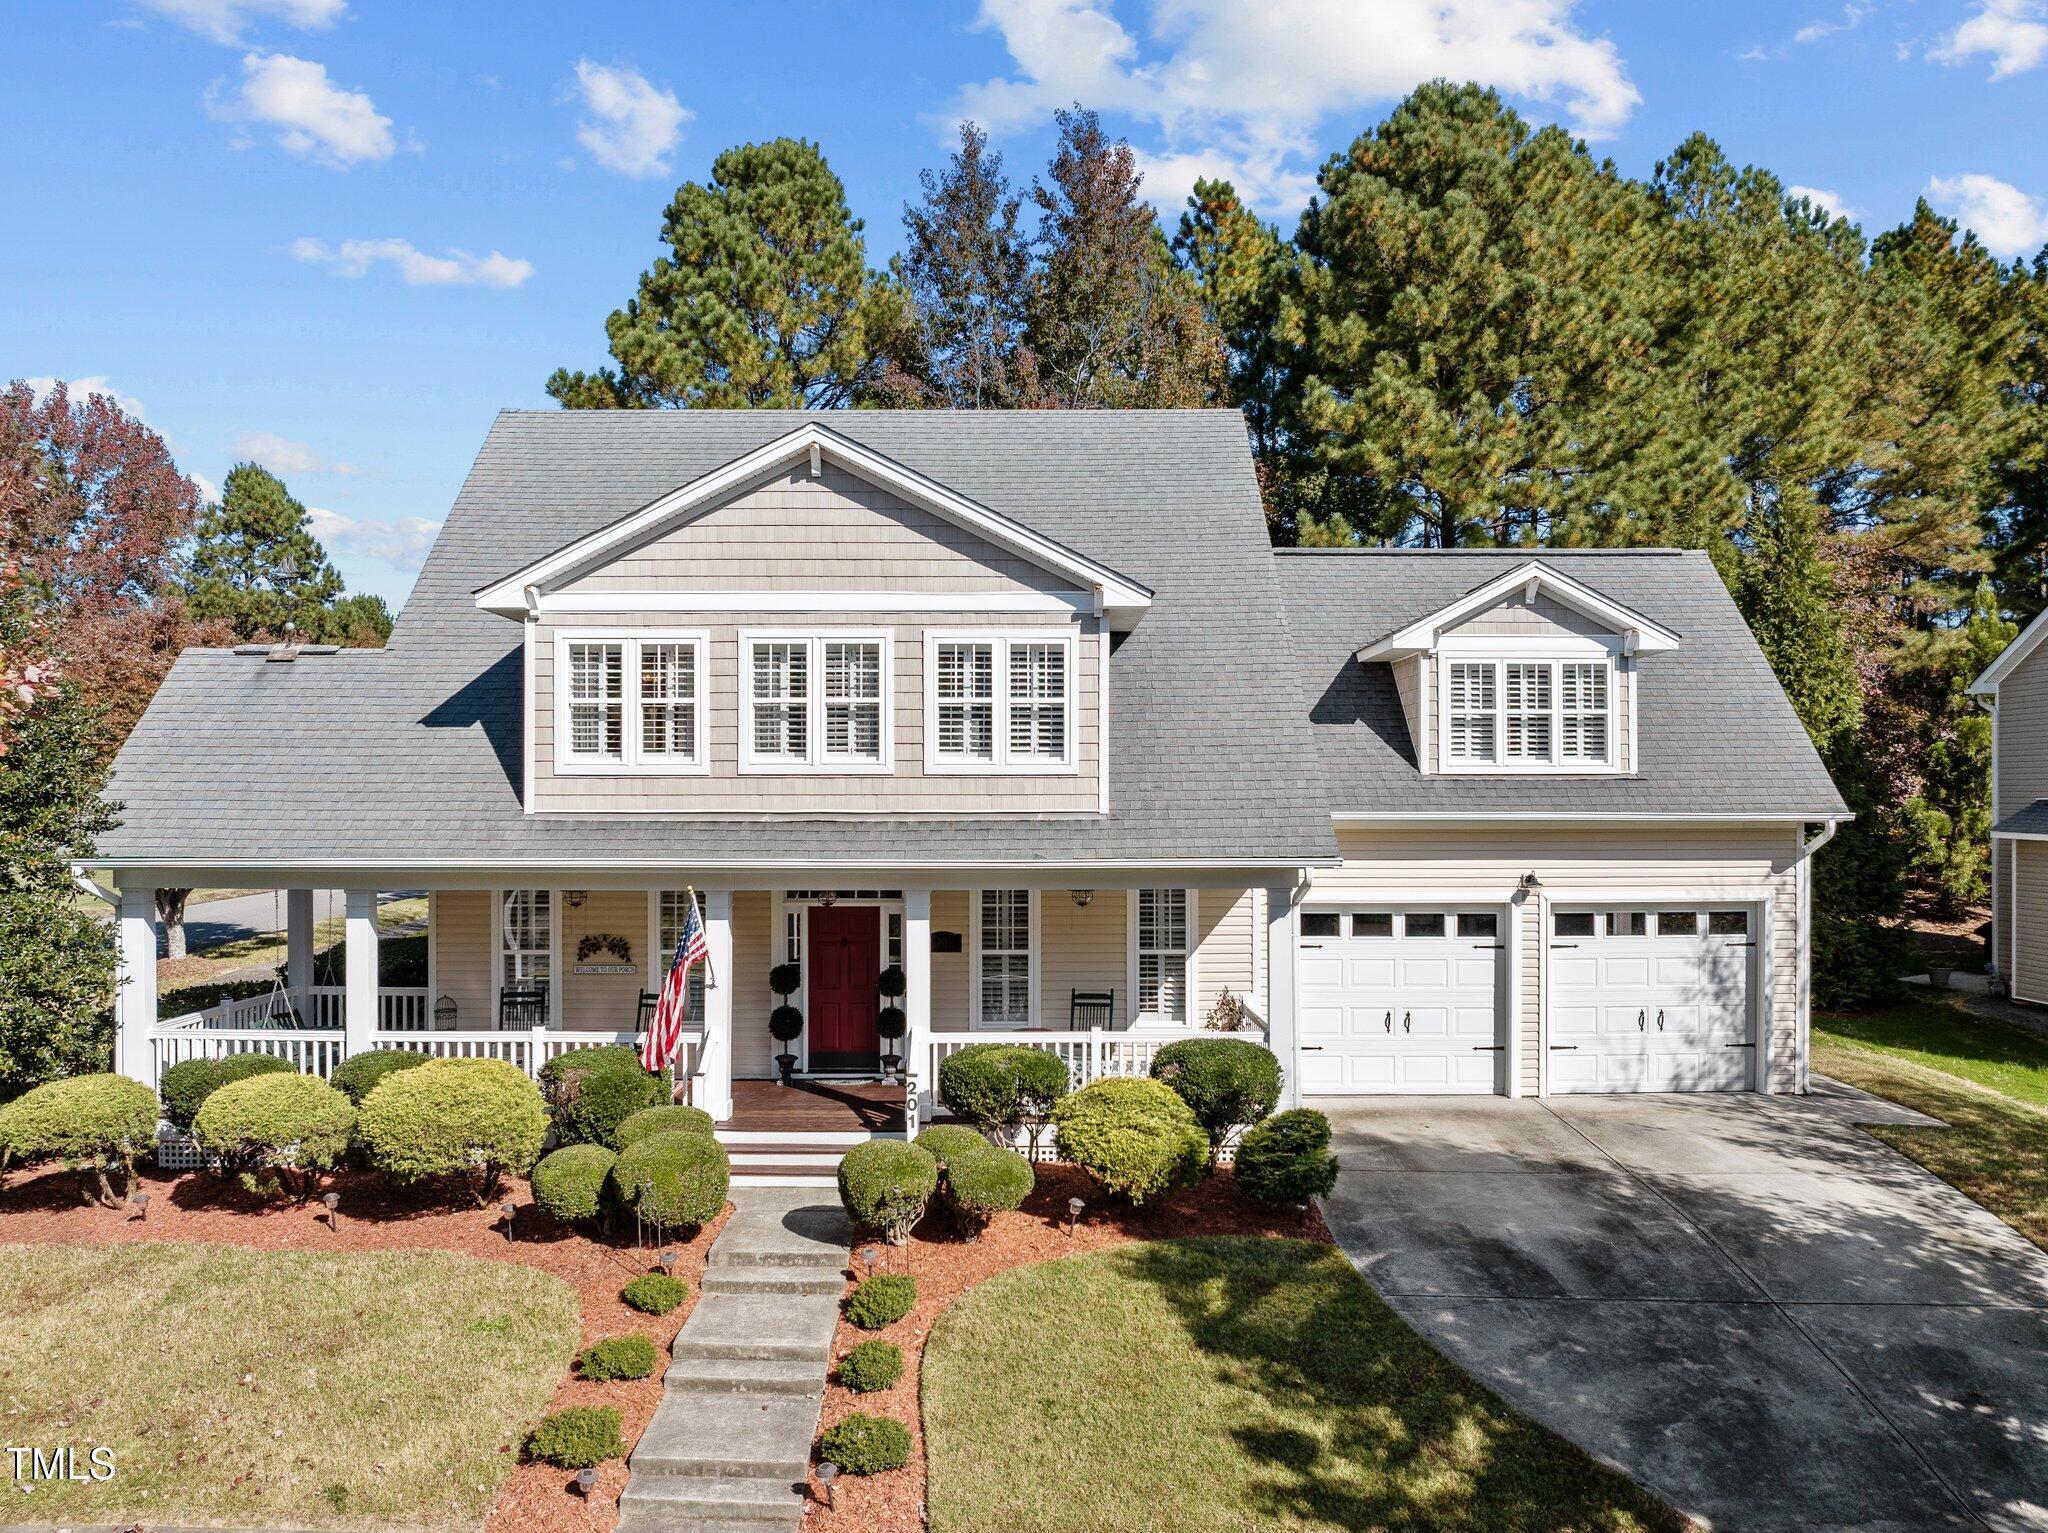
(691, 1504)
(784, 1155)
(729, 1437)
(825, 1280)
(782, 1174)
(838, 1139)
(795, 1326)
(784, 1227)
(745, 1376)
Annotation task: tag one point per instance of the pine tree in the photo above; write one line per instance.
(2019, 517)
(258, 567)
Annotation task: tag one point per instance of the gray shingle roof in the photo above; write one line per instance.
(1716, 735)
(413, 754)
(2030, 821)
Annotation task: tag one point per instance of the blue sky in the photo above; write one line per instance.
(337, 235)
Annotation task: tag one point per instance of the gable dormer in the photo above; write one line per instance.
(1532, 672)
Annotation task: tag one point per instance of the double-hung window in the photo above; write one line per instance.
(1162, 954)
(1527, 715)
(525, 938)
(630, 703)
(999, 702)
(1003, 958)
(672, 909)
(815, 702)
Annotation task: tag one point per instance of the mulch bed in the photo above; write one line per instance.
(946, 1267)
(46, 1206)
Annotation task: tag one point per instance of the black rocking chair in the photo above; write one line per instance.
(1091, 1008)
(524, 1006)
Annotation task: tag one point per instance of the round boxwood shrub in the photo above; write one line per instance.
(863, 1444)
(1287, 1158)
(95, 1122)
(560, 1074)
(655, 1293)
(871, 1365)
(185, 1086)
(619, 1357)
(1228, 1083)
(785, 1023)
(473, 1118)
(673, 1180)
(357, 1075)
(581, 1437)
(885, 1185)
(1135, 1137)
(592, 1099)
(569, 1183)
(786, 978)
(1001, 1087)
(946, 1140)
(881, 1300)
(674, 1119)
(891, 1023)
(289, 1124)
(985, 1183)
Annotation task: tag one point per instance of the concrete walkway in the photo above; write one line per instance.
(1745, 1303)
(730, 1445)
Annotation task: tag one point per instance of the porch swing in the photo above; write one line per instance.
(280, 1012)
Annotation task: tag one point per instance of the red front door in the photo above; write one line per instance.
(845, 960)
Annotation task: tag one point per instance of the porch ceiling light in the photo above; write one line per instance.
(575, 897)
(1082, 898)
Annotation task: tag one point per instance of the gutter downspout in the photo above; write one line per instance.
(1827, 834)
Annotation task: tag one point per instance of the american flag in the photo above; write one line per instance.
(665, 1032)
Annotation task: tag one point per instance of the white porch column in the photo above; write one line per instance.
(1283, 949)
(359, 1004)
(298, 925)
(718, 993)
(135, 986)
(917, 999)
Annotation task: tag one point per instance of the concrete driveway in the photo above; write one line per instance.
(1745, 1303)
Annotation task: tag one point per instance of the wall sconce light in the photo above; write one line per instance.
(575, 897)
(1530, 883)
(828, 899)
(1082, 898)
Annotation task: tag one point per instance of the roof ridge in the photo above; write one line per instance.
(1516, 551)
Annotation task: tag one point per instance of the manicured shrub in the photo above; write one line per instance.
(785, 1023)
(91, 1122)
(885, 1185)
(1228, 1083)
(619, 1357)
(675, 1119)
(185, 1086)
(569, 1183)
(581, 1437)
(871, 1365)
(655, 1293)
(560, 1074)
(984, 1183)
(881, 1300)
(598, 1092)
(1135, 1137)
(1287, 1158)
(946, 1140)
(863, 1444)
(673, 1180)
(473, 1118)
(358, 1074)
(289, 1124)
(1002, 1087)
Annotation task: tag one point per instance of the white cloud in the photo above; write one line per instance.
(2007, 221)
(208, 490)
(633, 123)
(451, 268)
(402, 544)
(226, 20)
(1828, 202)
(2013, 32)
(96, 384)
(1232, 84)
(316, 117)
(1814, 31)
(281, 455)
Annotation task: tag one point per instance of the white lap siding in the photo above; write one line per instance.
(2029, 905)
(461, 924)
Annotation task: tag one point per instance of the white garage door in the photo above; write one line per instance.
(1401, 1000)
(1651, 999)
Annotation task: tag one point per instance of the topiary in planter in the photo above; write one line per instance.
(1135, 1137)
(94, 1122)
(784, 978)
(673, 1180)
(885, 1185)
(581, 1437)
(591, 1101)
(1002, 1087)
(881, 1300)
(987, 1182)
(673, 1119)
(185, 1086)
(290, 1124)
(1228, 1083)
(357, 1075)
(785, 1026)
(569, 1183)
(871, 1365)
(472, 1118)
(655, 1293)
(1287, 1159)
(863, 1444)
(890, 983)
(619, 1357)
(946, 1140)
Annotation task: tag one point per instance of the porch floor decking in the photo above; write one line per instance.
(816, 1107)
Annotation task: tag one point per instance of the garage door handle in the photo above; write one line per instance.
(1407, 1021)
(1556, 945)
(1564, 1048)
(1639, 1022)
(1660, 1021)
(1738, 1045)
(1486, 1048)
(1311, 1048)
(1390, 1021)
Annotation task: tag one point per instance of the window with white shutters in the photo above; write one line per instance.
(525, 937)
(964, 683)
(1473, 712)
(668, 700)
(1527, 715)
(815, 702)
(780, 678)
(999, 702)
(1163, 945)
(1582, 734)
(630, 703)
(1005, 958)
(675, 906)
(853, 700)
(597, 701)
(1038, 702)
(1528, 688)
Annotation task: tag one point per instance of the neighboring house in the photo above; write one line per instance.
(1023, 705)
(2015, 688)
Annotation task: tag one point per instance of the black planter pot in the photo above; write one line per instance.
(786, 1063)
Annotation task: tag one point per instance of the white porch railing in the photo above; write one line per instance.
(400, 1008)
(1088, 1056)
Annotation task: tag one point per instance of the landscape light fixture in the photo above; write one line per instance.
(1074, 1207)
(827, 1473)
(586, 1481)
(509, 1210)
(868, 1256)
(141, 1202)
(668, 1262)
(333, 1202)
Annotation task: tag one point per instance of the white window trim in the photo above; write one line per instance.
(498, 953)
(1036, 946)
(1194, 985)
(1555, 654)
(936, 765)
(816, 763)
(631, 763)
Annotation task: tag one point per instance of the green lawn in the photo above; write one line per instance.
(1228, 1384)
(276, 1388)
(2009, 1060)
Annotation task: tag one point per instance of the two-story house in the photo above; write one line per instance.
(1023, 706)
(2015, 688)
